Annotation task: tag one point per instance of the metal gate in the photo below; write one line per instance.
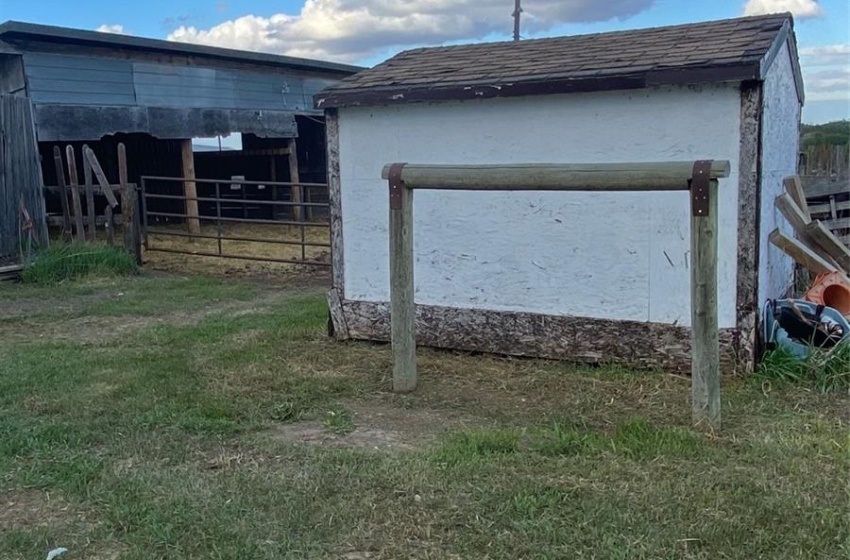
(265, 221)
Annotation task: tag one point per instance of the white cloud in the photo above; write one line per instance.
(826, 72)
(111, 28)
(801, 9)
(351, 30)
(826, 55)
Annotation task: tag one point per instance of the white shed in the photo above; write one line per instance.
(568, 275)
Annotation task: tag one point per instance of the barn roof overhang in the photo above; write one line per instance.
(14, 31)
(89, 122)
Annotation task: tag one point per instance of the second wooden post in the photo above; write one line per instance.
(705, 367)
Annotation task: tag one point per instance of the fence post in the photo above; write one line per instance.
(705, 353)
(91, 216)
(129, 208)
(402, 308)
(63, 194)
(79, 232)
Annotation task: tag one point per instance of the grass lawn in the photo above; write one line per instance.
(194, 418)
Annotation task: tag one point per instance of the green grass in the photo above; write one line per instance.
(147, 425)
(826, 370)
(62, 262)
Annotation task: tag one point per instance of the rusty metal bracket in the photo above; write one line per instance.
(396, 184)
(700, 180)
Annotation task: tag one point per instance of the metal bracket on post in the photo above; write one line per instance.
(700, 179)
(396, 184)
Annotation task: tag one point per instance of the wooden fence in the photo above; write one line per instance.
(81, 225)
(22, 216)
(825, 160)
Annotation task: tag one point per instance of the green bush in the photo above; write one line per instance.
(67, 261)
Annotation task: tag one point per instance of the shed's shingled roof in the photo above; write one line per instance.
(730, 50)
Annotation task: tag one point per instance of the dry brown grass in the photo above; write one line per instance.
(183, 263)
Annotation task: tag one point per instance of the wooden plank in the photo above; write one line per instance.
(795, 189)
(79, 233)
(833, 246)
(840, 223)
(190, 189)
(831, 208)
(793, 213)
(129, 208)
(803, 255)
(816, 187)
(90, 214)
(101, 178)
(401, 292)
(295, 177)
(578, 177)
(340, 328)
(63, 193)
(705, 368)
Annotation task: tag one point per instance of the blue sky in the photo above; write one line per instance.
(368, 31)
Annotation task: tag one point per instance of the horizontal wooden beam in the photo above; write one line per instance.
(816, 187)
(662, 176)
(840, 223)
(828, 207)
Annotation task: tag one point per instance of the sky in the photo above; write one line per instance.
(367, 32)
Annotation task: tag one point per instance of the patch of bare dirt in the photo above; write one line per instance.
(378, 427)
(23, 509)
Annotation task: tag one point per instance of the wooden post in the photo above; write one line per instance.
(91, 218)
(705, 367)
(79, 234)
(129, 208)
(190, 189)
(295, 177)
(402, 307)
(63, 193)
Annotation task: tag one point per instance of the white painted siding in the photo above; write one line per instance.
(780, 142)
(615, 256)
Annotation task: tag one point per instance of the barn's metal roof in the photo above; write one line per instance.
(733, 50)
(12, 32)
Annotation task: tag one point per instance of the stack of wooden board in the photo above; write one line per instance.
(10, 273)
(815, 247)
(829, 201)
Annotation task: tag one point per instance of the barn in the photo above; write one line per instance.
(155, 97)
(568, 275)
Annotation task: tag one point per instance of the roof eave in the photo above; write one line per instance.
(736, 72)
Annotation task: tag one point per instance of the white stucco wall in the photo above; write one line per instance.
(615, 256)
(780, 144)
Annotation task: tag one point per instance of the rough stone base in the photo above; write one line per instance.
(580, 339)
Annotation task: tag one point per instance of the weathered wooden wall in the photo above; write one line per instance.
(20, 178)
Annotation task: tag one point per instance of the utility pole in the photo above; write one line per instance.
(517, 12)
